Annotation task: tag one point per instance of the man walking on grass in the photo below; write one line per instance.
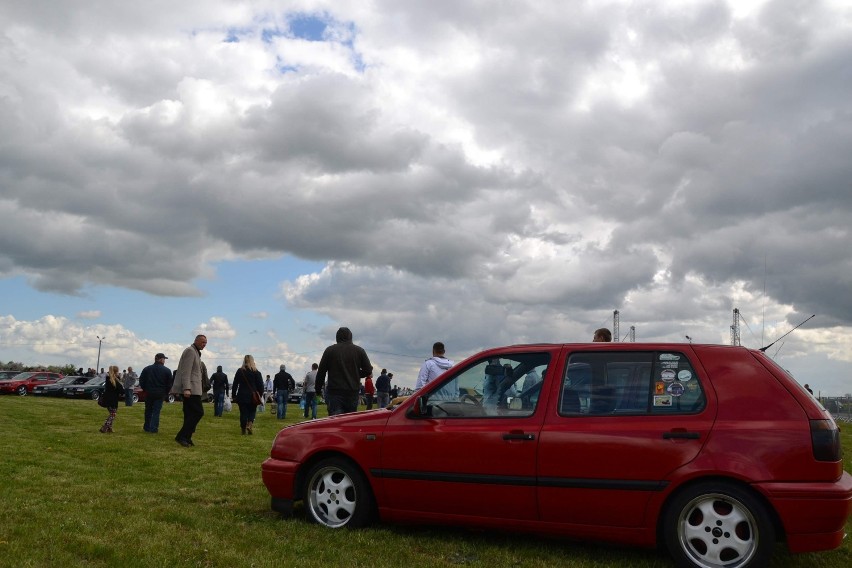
(188, 384)
(345, 364)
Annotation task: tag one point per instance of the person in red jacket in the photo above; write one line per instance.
(369, 391)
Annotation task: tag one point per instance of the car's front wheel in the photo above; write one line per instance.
(96, 394)
(22, 390)
(718, 525)
(135, 398)
(337, 494)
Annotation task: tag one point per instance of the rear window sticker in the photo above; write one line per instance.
(675, 389)
(684, 375)
(660, 388)
(669, 357)
(663, 400)
(667, 375)
(669, 365)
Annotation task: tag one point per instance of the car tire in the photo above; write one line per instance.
(171, 398)
(135, 398)
(715, 525)
(96, 394)
(337, 495)
(22, 390)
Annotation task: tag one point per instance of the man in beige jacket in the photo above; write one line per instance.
(188, 384)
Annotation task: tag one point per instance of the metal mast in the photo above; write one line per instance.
(632, 334)
(735, 328)
(615, 333)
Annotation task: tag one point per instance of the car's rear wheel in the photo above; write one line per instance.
(718, 525)
(337, 494)
(135, 398)
(96, 394)
(171, 398)
(22, 390)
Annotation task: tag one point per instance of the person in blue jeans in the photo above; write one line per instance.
(310, 392)
(156, 382)
(219, 380)
(281, 387)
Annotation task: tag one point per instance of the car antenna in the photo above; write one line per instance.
(786, 334)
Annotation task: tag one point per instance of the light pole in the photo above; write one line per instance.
(98, 364)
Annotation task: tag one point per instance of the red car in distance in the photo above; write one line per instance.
(22, 384)
(711, 452)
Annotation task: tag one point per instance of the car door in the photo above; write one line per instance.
(641, 414)
(467, 456)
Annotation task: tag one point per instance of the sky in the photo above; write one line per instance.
(481, 173)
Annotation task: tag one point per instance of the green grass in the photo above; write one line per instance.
(71, 496)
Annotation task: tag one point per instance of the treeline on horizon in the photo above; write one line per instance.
(67, 369)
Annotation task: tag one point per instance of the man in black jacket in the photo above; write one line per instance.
(383, 387)
(345, 364)
(156, 381)
(219, 381)
(281, 387)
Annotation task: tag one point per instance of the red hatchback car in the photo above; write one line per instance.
(23, 383)
(713, 452)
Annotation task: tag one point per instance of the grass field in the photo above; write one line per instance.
(71, 496)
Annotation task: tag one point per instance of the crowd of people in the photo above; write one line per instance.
(338, 377)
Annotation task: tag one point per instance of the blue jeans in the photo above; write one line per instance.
(218, 403)
(383, 398)
(128, 397)
(311, 403)
(281, 402)
(153, 405)
(340, 403)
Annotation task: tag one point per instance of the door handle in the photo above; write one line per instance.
(681, 435)
(518, 436)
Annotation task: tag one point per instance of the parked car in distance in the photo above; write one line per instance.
(296, 394)
(23, 383)
(55, 389)
(8, 374)
(92, 388)
(711, 452)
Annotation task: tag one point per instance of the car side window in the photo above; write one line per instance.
(623, 382)
(676, 386)
(507, 385)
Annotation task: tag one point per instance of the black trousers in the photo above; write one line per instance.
(192, 413)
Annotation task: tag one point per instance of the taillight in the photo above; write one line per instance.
(825, 439)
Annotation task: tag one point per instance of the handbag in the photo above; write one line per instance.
(255, 396)
(101, 402)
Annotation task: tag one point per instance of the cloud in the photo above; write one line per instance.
(90, 314)
(482, 175)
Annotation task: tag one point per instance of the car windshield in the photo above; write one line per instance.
(21, 377)
(94, 381)
(66, 380)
